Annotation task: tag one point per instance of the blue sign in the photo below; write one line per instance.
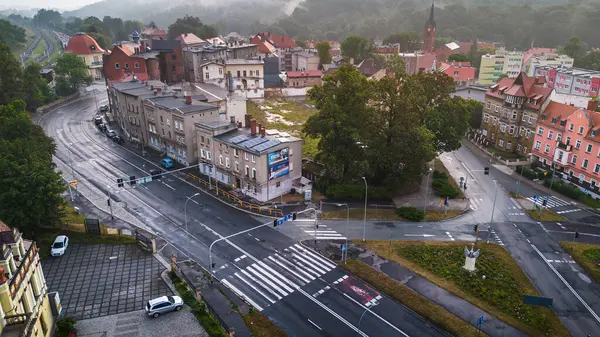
(343, 247)
(535, 197)
(480, 320)
(280, 222)
(287, 217)
(278, 163)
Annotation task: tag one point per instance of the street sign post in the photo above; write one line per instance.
(73, 183)
(479, 324)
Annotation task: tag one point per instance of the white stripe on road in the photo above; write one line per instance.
(253, 288)
(169, 186)
(567, 284)
(261, 284)
(284, 261)
(313, 323)
(289, 270)
(241, 294)
(307, 262)
(277, 275)
(317, 261)
(318, 256)
(269, 281)
(374, 314)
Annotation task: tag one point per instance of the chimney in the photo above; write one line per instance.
(188, 100)
(592, 104)
(262, 132)
(573, 104)
(259, 127)
(247, 119)
(253, 127)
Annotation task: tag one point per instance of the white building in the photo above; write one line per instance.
(246, 77)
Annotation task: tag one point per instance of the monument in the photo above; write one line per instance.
(470, 257)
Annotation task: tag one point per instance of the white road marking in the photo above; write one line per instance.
(241, 294)
(169, 186)
(313, 323)
(374, 314)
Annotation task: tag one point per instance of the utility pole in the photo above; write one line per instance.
(110, 206)
(493, 208)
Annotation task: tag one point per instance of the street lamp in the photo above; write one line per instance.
(365, 218)
(363, 314)
(185, 213)
(347, 221)
(426, 190)
(493, 208)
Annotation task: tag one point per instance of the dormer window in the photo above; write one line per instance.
(92, 47)
(553, 121)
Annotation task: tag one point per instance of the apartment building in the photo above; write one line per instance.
(171, 121)
(263, 164)
(283, 46)
(571, 81)
(414, 62)
(513, 62)
(510, 113)
(305, 61)
(89, 51)
(303, 79)
(241, 50)
(568, 138)
(198, 55)
(246, 77)
(25, 306)
(556, 61)
(490, 68)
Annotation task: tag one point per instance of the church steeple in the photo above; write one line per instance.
(429, 33)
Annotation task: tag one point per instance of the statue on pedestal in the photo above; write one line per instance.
(470, 257)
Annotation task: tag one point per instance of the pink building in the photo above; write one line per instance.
(569, 138)
(461, 72)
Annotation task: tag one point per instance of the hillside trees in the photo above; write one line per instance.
(357, 47)
(191, 24)
(11, 35)
(323, 49)
(409, 41)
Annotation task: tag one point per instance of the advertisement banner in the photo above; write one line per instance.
(278, 163)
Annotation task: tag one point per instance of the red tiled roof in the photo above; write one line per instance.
(154, 32)
(387, 50)
(4, 227)
(128, 77)
(125, 49)
(556, 110)
(335, 52)
(516, 90)
(301, 74)
(279, 41)
(189, 39)
(465, 71)
(82, 44)
(523, 86)
(264, 47)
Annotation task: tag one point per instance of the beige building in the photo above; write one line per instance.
(305, 61)
(554, 61)
(246, 77)
(88, 49)
(263, 164)
(24, 302)
(170, 124)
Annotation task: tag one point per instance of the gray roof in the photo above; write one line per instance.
(214, 124)
(178, 104)
(162, 45)
(146, 55)
(212, 92)
(242, 139)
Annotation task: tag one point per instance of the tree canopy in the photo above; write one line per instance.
(458, 57)
(11, 35)
(357, 47)
(71, 72)
(409, 41)
(323, 49)
(191, 24)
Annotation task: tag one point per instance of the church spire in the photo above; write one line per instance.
(431, 16)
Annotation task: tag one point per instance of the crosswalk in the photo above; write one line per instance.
(266, 281)
(516, 210)
(475, 203)
(554, 202)
(496, 238)
(321, 233)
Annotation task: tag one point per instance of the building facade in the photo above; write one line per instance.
(126, 60)
(246, 77)
(490, 68)
(303, 79)
(263, 164)
(461, 72)
(303, 61)
(510, 113)
(87, 49)
(414, 62)
(567, 140)
(571, 81)
(24, 302)
(558, 61)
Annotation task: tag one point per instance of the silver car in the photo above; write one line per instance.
(163, 304)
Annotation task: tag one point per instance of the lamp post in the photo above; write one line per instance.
(365, 217)
(426, 190)
(347, 221)
(185, 213)
(363, 314)
(110, 205)
(493, 208)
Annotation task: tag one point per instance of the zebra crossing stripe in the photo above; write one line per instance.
(240, 294)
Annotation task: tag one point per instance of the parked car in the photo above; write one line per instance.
(102, 127)
(59, 247)
(98, 120)
(118, 140)
(111, 133)
(104, 108)
(161, 305)
(166, 163)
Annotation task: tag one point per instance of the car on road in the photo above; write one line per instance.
(59, 247)
(118, 140)
(102, 127)
(103, 108)
(160, 305)
(166, 163)
(98, 120)
(110, 133)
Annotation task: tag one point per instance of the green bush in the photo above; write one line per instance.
(572, 192)
(443, 188)
(357, 192)
(64, 326)
(527, 172)
(439, 175)
(410, 213)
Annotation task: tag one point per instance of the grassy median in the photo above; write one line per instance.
(586, 255)
(385, 214)
(414, 301)
(500, 293)
(545, 215)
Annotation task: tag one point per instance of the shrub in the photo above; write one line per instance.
(443, 188)
(573, 192)
(357, 192)
(410, 213)
(64, 326)
(439, 175)
(527, 172)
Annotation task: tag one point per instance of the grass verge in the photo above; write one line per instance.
(586, 255)
(208, 322)
(385, 214)
(515, 195)
(71, 216)
(414, 301)
(545, 215)
(500, 293)
(45, 238)
(261, 326)
(439, 166)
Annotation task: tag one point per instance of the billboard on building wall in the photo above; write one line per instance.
(278, 163)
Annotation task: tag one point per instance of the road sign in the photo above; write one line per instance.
(535, 197)
(537, 300)
(280, 222)
(73, 183)
(343, 247)
(538, 207)
(480, 320)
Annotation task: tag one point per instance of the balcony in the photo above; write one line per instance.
(563, 146)
(561, 157)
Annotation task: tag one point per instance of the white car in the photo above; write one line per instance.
(163, 304)
(59, 247)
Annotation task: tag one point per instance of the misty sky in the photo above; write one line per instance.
(60, 4)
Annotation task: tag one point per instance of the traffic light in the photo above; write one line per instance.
(156, 174)
(120, 182)
(476, 228)
(108, 202)
(275, 223)
(294, 216)
(131, 180)
(544, 202)
(465, 186)
(486, 171)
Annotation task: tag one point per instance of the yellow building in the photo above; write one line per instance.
(490, 68)
(88, 49)
(24, 303)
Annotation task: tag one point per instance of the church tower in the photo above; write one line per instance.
(429, 33)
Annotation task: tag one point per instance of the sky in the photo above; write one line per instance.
(60, 4)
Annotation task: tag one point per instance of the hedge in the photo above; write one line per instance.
(443, 188)
(527, 172)
(357, 192)
(410, 213)
(572, 192)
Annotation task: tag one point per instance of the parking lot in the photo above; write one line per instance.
(100, 280)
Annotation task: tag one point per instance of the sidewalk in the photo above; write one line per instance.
(454, 304)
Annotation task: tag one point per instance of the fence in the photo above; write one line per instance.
(233, 199)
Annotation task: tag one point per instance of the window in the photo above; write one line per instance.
(255, 190)
(584, 164)
(220, 71)
(169, 134)
(574, 160)
(253, 173)
(538, 144)
(497, 107)
(508, 145)
(524, 118)
(207, 76)
(238, 73)
(237, 166)
(531, 119)
(518, 147)
(500, 143)
(136, 65)
(488, 104)
(202, 153)
(578, 144)
(181, 126)
(547, 150)
(568, 140)
(208, 156)
(560, 156)
(512, 129)
(514, 114)
(541, 131)
(176, 124)
(580, 130)
(559, 136)
(596, 168)
(553, 120)
(127, 65)
(161, 119)
(244, 72)
(503, 128)
(220, 160)
(253, 158)
(207, 141)
(278, 184)
(486, 118)
(589, 148)
(571, 126)
(550, 134)
(247, 171)
(235, 153)
(227, 162)
(173, 57)
(117, 66)
(593, 183)
(168, 122)
(257, 73)
(246, 156)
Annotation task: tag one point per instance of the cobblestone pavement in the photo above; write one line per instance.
(100, 280)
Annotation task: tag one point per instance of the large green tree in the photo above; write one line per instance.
(409, 41)
(323, 49)
(30, 186)
(190, 24)
(448, 122)
(342, 103)
(357, 47)
(590, 61)
(71, 72)
(36, 91)
(458, 57)
(573, 48)
(11, 76)
(11, 35)
(48, 18)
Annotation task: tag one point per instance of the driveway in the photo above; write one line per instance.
(100, 280)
